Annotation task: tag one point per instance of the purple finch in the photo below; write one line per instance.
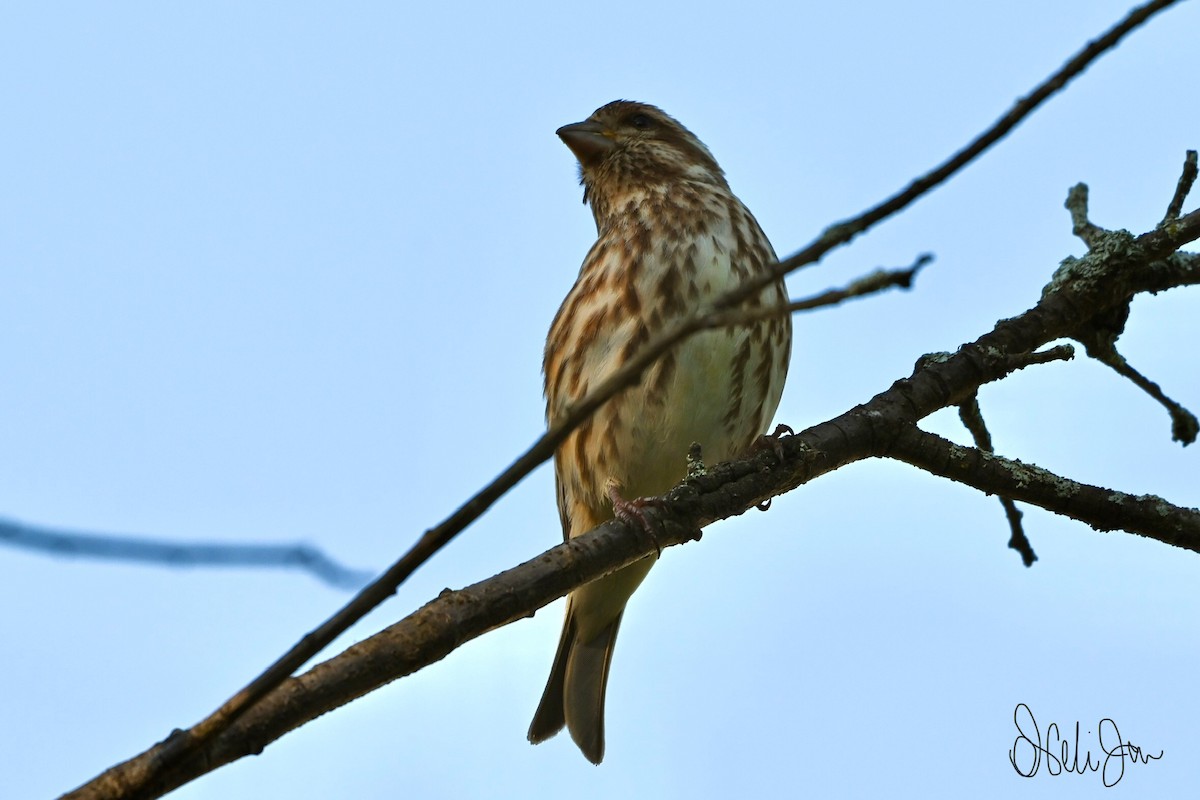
(671, 237)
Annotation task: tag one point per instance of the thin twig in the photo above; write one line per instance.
(878, 281)
(972, 417)
(841, 233)
(1184, 425)
(183, 742)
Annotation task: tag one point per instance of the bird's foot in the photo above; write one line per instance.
(772, 441)
(632, 512)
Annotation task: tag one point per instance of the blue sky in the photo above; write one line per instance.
(279, 272)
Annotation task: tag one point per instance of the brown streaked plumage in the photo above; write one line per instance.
(671, 237)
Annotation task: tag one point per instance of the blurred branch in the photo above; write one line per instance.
(72, 544)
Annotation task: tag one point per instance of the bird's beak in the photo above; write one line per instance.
(588, 140)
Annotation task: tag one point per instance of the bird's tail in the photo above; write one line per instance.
(574, 695)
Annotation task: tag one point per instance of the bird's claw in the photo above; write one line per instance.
(631, 512)
(773, 441)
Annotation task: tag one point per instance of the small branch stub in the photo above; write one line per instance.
(1186, 180)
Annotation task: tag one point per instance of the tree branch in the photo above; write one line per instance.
(883, 427)
(1103, 509)
(456, 617)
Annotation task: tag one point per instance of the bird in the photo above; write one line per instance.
(671, 238)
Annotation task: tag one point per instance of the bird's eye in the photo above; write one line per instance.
(641, 122)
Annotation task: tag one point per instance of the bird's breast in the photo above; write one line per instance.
(719, 387)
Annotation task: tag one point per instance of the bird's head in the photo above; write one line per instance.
(626, 146)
